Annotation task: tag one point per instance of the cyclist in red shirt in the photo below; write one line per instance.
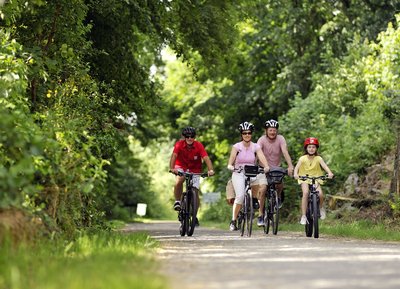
(187, 156)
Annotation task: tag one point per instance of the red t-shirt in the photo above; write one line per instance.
(189, 158)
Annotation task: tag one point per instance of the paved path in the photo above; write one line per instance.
(216, 259)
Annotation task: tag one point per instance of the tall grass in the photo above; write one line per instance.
(107, 260)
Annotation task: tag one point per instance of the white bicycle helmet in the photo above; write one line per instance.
(271, 123)
(246, 126)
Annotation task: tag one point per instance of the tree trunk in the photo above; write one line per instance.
(395, 182)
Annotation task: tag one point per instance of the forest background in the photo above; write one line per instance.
(93, 95)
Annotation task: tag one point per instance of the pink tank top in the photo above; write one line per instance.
(246, 155)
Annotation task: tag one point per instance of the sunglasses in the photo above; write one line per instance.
(247, 133)
(189, 136)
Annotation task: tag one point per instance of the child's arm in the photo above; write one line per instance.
(326, 168)
(296, 170)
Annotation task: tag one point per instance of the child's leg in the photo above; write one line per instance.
(321, 196)
(304, 199)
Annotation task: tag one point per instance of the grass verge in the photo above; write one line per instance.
(101, 261)
(363, 230)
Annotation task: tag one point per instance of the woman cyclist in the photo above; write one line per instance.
(311, 164)
(243, 153)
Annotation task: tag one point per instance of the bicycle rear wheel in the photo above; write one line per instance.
(183, 216)
(315, 215)
(192, 211)
(275, 213)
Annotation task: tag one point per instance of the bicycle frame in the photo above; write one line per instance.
(313, 203)
(246, 213)
(271, 210)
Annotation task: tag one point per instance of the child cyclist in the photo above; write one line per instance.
(311, 164)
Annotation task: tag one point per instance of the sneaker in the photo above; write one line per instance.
(196, 222)
(232, 226)
(260, 221)
(303, 220)
(322, 213)
(177, 206)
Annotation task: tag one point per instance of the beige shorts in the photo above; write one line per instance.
(261, 179)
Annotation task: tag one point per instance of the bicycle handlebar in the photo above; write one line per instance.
(313, 179)
(241, 169)
(188, 174)
(277, 170)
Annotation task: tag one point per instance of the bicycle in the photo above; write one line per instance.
(271, 209)
(189, 204)
(246, 213)
(313, 211)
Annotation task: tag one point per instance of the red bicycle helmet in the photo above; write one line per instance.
(311, 140)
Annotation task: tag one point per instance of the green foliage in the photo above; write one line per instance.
(355, 97)
(219, 211)
(20, 142)
(133, 181)
(77, 82)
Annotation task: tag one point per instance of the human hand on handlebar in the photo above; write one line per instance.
(231, 168)
(175, 171)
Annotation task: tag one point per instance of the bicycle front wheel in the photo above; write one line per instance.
(275, 213)
(309, 224)
(315, 215)
(183, 216)
(241, 221)
(267, 220)
(192, 211)
(249, 213)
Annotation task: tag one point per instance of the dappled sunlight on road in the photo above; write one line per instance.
(215, 258)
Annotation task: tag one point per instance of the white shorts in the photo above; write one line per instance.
(261, 179)
(238, 181)
(196, 179)
(196, 182)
